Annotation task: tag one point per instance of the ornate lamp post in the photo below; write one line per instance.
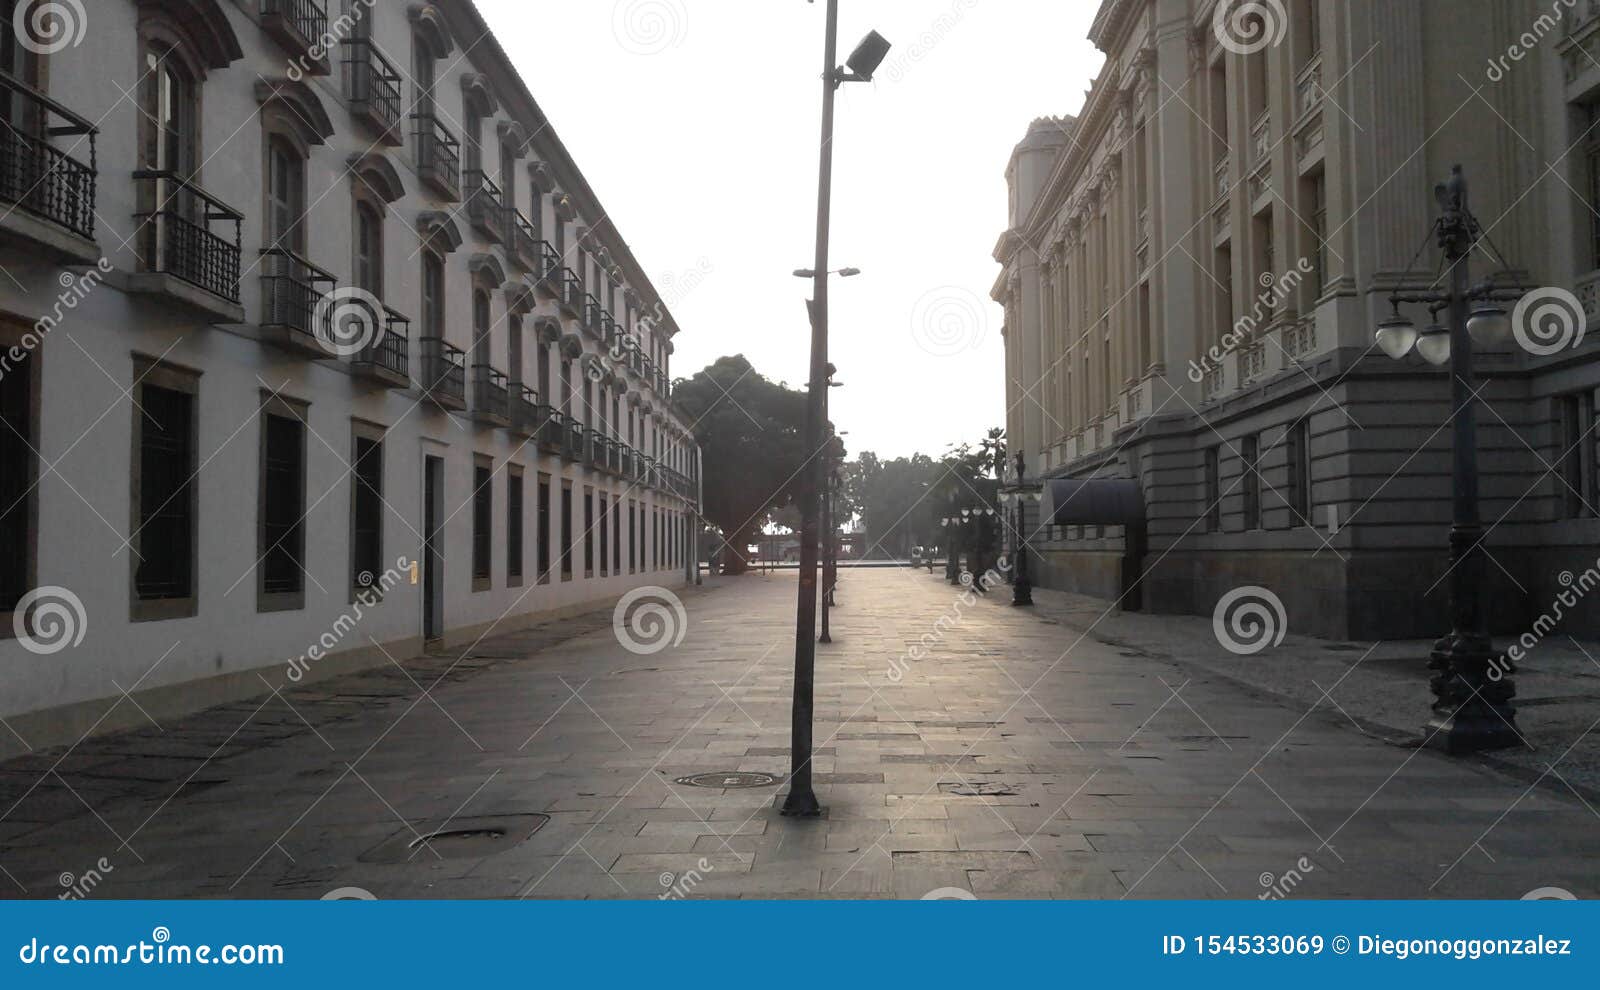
(952, 542)
(1472, 709)
(1021, 587)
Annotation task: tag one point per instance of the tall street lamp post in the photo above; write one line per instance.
(1472, 706)
(1021, 586)
(801, 800)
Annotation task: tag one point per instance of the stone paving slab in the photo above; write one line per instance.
(1126, 774)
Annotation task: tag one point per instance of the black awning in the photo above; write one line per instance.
(1092, 502)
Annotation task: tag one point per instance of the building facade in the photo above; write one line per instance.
(315, 348)
(1194, 267)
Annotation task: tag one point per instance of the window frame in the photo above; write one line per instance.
(482, 569)
(566, 530)
(12, 335)
(1250, 464)
(542, 530)
(281, 407)
(175, 378)
(363, 431)
(1297, 440)
(516, 538)
(588, 532)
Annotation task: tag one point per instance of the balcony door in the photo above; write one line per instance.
(21, 63)
(171, 149)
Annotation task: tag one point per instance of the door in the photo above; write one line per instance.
(432, 548)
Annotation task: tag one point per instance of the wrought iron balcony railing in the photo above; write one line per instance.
(571, 299)
(547, 271)
(592, 311)
(292, 289)
(491, 396)
(551, 428)
(177, 236)
(386, 358)
(374, 87)
(35, 176)
(300, 26)
(438, 156)
(524, 240)
(486, 206)
(444, 373)
(573, 448)
(599, 449)
(525, 415)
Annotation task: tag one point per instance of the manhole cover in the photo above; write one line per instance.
(981, 789)
(729, 778)
(459, 838)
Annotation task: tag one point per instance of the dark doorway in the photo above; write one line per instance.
(432, 548)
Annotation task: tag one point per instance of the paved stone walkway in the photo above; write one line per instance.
(1017, 758)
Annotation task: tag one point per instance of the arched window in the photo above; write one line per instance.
(432, 295)
(425, 67)
(19, 59)
(286, 195)
(480, 327)
(172, 109)
(369, 250)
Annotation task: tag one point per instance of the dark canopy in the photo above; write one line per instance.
(1092, 502)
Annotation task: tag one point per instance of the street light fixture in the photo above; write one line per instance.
(1472, 706)
(841, 272)
(801, 801)
(1021, 585)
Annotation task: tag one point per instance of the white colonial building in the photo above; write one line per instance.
(317, 347)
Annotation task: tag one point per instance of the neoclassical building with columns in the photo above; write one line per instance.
(1194, 266)
(317, 348)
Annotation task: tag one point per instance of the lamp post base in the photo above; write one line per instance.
(1472, 710)
(800, 804)
(1022, 591)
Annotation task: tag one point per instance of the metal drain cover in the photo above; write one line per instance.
(458, 838)
(729, 779)
(987, 788)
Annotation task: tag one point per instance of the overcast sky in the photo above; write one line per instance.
(696, 122)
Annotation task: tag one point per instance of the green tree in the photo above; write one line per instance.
(750, 432)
